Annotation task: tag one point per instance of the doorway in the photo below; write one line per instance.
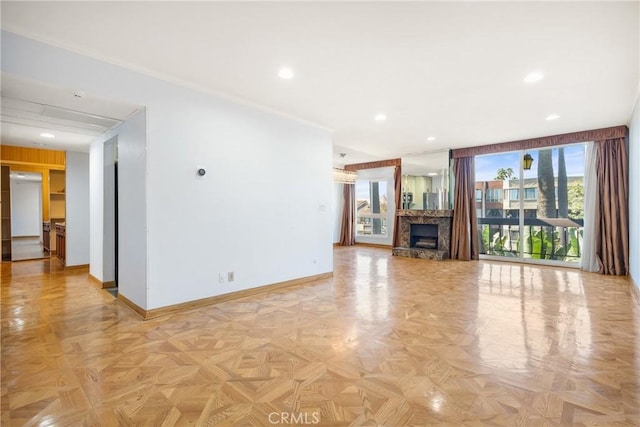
(26, 216)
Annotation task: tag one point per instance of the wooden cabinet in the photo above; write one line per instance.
(61, 242)
(46, 236)
(57, 184)
(5, 213)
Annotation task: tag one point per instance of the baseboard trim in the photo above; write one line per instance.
(100, 283)
(76, 267)
(172, 309)
(375, 245)
(132, 306)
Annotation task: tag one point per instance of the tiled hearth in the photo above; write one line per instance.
(441, 218)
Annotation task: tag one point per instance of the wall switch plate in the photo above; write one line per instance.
(230, 276)
(222, 278)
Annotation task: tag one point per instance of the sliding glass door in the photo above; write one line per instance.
(533, 214)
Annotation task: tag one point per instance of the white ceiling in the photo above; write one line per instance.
(30, 109)
(453, 70)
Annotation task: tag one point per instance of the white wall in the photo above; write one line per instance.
(197, 228)
(96, 208)
(381, 174)
(201, 227)
(109, 206)
(337, 209)
(133, 231)
(634, 193)
(77, 218)
(26, 208)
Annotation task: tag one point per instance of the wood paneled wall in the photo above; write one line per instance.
(21, 159)
(11, 155)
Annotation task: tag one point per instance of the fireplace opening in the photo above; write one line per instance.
(424, 236)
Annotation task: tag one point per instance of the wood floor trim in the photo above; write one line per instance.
(100, 283)
(374, 245)
(133, 306)
(76, 267)
(172, 309)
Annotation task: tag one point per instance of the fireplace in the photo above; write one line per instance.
(424, 236)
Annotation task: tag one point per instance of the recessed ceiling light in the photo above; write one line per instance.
(431, 138)
(432, 173)
(47, 135)
(285, 73)
(552, 117)
(380, 117)
(533, 77)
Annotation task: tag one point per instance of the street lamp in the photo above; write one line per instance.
(527, 161)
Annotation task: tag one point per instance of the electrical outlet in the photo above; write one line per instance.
(230, 276)
(222, 278)
(315, 260)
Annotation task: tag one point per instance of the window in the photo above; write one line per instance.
(530, 194)
(494, 195)
(536, 201)
(478, 195)
(371, 208)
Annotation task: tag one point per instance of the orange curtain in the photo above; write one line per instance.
(464, 233)
(347, 231)
(397, 180)
(612, 234)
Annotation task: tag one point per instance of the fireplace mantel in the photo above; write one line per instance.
(441, 218)
(430, 213)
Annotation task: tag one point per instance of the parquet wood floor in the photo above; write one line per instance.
(386, 342)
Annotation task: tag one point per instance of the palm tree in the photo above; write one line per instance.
(563, 191)
(546, 185)
(375, 207)
(546, 200)
(563, 194)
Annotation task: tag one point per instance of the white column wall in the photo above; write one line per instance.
(77, 209)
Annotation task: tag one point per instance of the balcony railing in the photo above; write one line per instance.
(557, 239)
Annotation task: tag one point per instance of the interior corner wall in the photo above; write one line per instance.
(634, 194)
(263, 210)
(338, 208)
(77, 209)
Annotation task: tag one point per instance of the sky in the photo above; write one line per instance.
(487, 166)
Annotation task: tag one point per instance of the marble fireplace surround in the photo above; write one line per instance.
(441, 218)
